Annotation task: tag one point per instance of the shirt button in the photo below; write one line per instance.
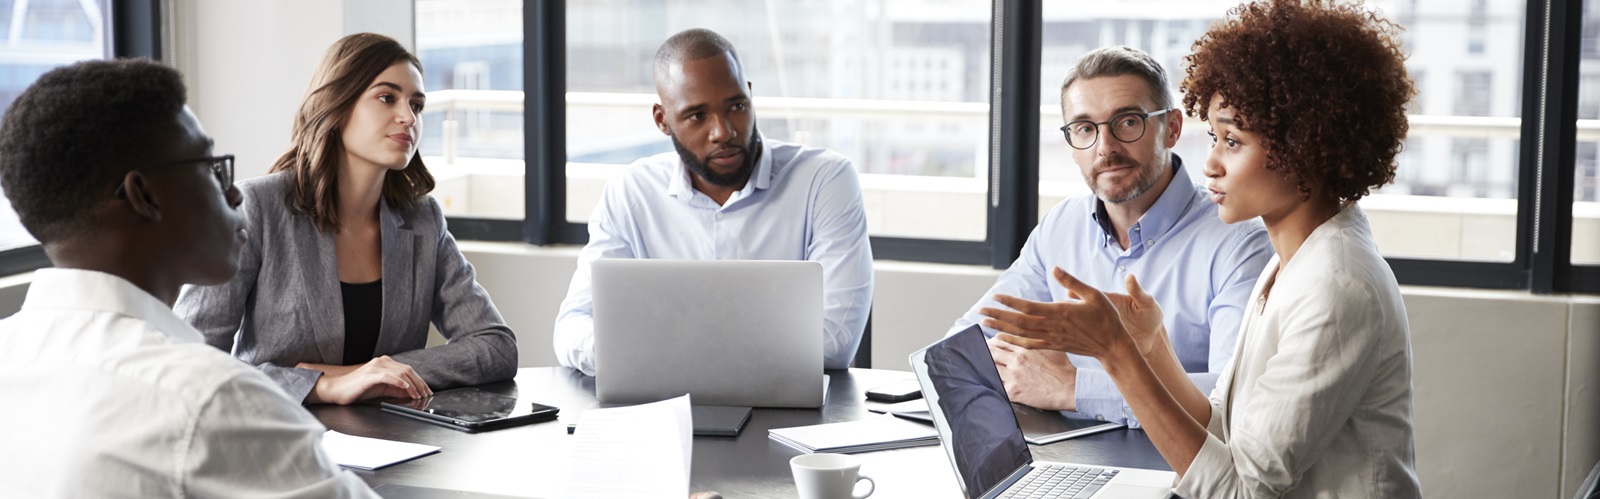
(719, 216)
(1136, 228)
(1150, 242)
(1121, 268)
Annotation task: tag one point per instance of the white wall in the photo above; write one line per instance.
(1505, 382)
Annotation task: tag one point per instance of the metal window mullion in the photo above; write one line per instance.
(544, 128)
(1551, 242)
(135, 29)
(1013, 197)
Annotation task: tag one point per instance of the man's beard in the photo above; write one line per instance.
(699, 167)
(1146, 178)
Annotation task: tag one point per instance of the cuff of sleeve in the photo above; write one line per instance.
(295, 382)
(1214, 426)
(1096, 396)
(585, 356)
(1211, 473)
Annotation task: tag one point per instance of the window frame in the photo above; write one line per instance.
(1542, 264)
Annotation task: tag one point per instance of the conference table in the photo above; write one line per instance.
(532, 460)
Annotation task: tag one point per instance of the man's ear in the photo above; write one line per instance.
(660, 116)
(136, 191)
(1174, 119)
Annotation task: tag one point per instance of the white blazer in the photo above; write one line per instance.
(1317, 399)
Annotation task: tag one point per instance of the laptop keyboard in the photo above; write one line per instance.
(1054, 480)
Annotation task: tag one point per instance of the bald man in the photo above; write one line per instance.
(726, 194)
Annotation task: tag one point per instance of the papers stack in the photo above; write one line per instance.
(635, 451)
(867, 435)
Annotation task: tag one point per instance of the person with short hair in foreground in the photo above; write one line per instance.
(108, 393)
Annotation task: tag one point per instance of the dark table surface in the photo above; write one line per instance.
(531, 460)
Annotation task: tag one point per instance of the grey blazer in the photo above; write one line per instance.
(284, 306)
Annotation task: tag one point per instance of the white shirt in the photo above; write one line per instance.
(801, 203)
(1317, 400)
(108, 394)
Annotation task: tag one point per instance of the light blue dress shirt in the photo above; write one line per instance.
(801, 203)
(1198, 268)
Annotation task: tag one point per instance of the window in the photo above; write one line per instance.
(900, 88)
(472, 140)
(38, 36)
(1586, 169)
(1477, 26)
(1474, 93)
(905, 89)
(1454, 192)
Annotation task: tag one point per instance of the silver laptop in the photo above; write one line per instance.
(981, 437)
(727, 332)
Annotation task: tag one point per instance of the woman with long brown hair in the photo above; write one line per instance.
(349, 260)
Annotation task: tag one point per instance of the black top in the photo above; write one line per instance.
(363, 315)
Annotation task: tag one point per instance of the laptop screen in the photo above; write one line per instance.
(971, 411)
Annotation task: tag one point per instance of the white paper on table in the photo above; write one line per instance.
(636, 451)
(370, 453)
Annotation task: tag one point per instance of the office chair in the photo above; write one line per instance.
(864, 352)
(1591, 486)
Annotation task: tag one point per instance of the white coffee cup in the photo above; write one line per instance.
(829, 476)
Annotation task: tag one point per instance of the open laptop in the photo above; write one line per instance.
(726, 332)
(981, 437)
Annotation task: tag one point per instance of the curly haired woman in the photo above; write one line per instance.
(1306, 106)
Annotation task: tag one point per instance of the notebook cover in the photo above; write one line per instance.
(719, 420)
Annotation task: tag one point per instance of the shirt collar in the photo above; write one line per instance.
(682, 188)
(74, 289)
(1168, 209)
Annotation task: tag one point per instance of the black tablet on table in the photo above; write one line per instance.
(471, 410)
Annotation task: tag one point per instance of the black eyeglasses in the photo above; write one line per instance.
(1126, 127)
(221, 167)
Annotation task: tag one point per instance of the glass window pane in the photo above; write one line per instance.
(898, 87)
(37, 36)
(472, 140)
(1586, 199)
(1454, 195)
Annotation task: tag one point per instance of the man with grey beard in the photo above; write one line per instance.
(1145, 218)
(726, 194)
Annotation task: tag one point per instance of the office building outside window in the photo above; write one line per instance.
(900, 87)
(1455, 189)
(37, 36)
(472, 138)
(1586, 174)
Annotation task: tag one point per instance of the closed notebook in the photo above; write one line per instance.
(719, 420)
(850, 437)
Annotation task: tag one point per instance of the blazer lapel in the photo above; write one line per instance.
(324, 302)
(399, 244)
(1252, 312)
